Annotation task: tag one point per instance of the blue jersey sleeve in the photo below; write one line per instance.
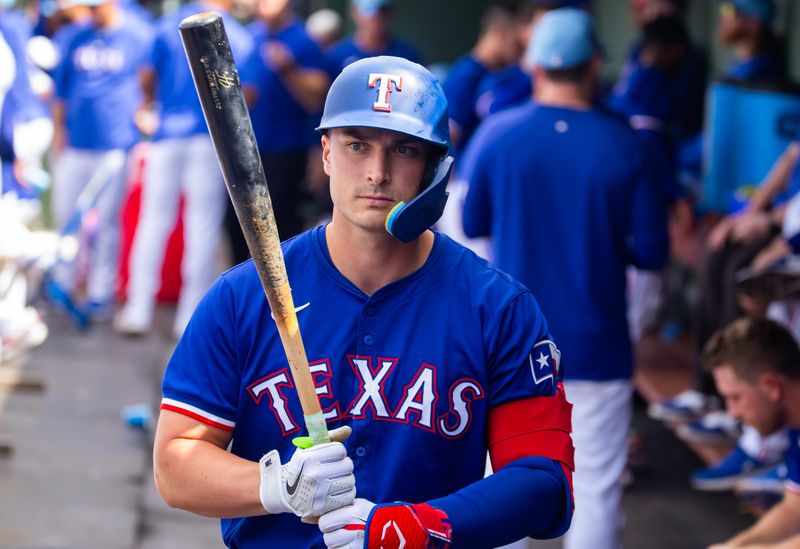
(523, 361)
(475, 169)
(308, 54)
(649, 243)
(202, 377)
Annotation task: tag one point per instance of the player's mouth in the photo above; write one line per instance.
(377, 201)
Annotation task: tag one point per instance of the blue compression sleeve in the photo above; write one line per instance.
(529, 497)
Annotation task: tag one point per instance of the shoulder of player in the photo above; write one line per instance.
(480, 272)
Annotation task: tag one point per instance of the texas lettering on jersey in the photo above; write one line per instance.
(419, 404)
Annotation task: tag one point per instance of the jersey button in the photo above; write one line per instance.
(361, 451)
(368, 340)
(371, 311)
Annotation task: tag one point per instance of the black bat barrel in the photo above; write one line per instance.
(220, 92)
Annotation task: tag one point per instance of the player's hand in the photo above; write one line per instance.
(751, 227)
(364, 525)
(345, 528)
(316, 480)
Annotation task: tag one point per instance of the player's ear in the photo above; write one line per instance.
(326, 153)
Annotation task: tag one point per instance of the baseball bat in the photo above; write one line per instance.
(220, 92)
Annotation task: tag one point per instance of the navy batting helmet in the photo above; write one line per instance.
(392, 93)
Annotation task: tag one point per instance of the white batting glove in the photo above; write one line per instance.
(316, 480)
(344, 528)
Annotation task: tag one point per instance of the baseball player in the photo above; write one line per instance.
(497, 48)
(745, 26)
(97, 92)
(181, 160)
(566, 216)
(288, 72)
(756, 366)
(430, 355)
(372, 37)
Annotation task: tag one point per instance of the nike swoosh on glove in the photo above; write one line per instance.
(315, 481)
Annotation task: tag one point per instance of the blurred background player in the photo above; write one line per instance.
(21, 327)
(324, 27)
(97, 94)
(567, 224)
(756, 367)
(497, 47)
(372, 37)
(288, 76)
(746, 27)
(181, 161)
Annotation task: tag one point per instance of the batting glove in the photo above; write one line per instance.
(316, 480)
(364, 525)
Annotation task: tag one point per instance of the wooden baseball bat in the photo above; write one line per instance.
(220, 91)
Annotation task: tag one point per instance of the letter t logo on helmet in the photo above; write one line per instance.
(384, 82)
(419, 110)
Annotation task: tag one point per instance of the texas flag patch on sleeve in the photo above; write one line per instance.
(545, 361)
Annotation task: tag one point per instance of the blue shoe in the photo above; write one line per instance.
(724, 476)
(772, 481)
(714, 428)
(685, 406)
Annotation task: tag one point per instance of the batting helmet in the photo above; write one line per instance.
(392, 93)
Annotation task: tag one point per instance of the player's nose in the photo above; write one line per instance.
(378, 167)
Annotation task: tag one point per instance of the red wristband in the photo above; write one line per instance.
(418, 526)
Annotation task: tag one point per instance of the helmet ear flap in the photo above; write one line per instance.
(407, 222)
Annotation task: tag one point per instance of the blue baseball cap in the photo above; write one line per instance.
(371, 7)
(562, 39)
(762, 10)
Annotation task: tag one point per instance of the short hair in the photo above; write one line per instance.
(753, 346)
(570, 75)
(499, 13)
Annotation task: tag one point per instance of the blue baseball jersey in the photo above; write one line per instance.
(347, 51)
(503, 89)
(279, 121)
(180, 112)
(761, 68)
(414, 369)
(570, 200)
(98, 79)
(20, 103)
(793, 462)
(461, 87)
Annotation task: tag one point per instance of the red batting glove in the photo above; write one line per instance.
(387, 526)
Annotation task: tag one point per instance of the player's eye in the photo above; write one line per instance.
(356, 146)
(406, 150)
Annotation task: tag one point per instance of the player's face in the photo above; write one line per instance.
(371, 170)
(271, 9)
(756, 404)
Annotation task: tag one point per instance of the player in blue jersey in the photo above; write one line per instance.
(756, 366)
(567, 213)
(745, 26)
(181, 160)
(430, 355)
(97, 93)
(497, 48)
(372, 36)
(289, 74)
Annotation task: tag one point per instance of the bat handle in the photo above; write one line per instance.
(317, 428)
